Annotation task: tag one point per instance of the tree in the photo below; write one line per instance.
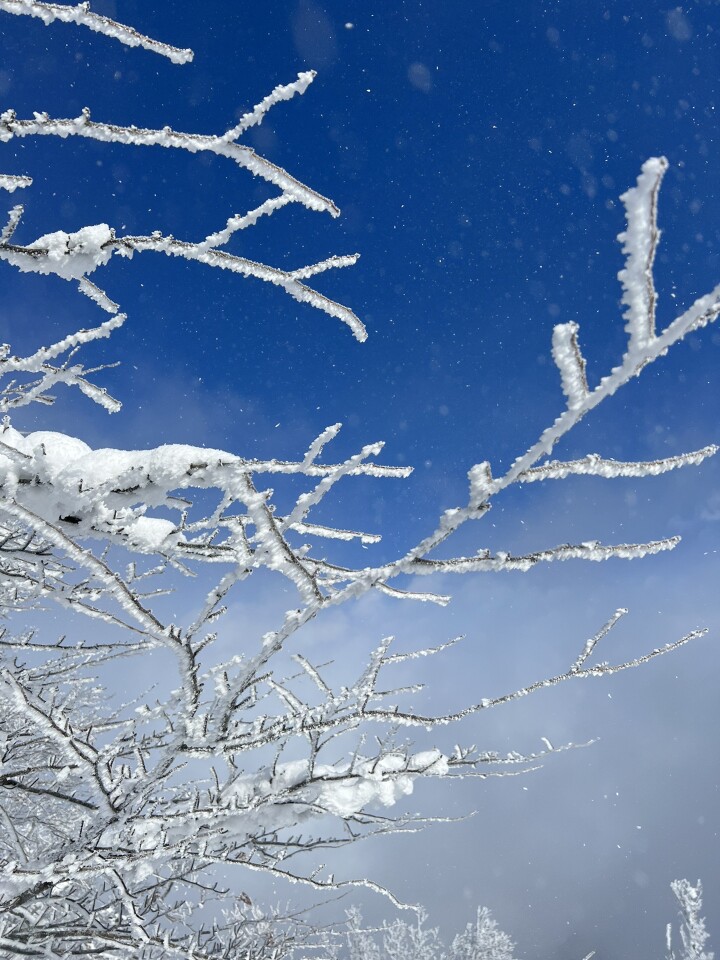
(122, 819)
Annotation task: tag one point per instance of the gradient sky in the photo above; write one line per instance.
(477, 151)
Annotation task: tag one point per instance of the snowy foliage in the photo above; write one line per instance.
(400, 940)
(484, 940)
(119, 817)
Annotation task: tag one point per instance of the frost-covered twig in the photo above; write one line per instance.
(20, 393)
(282, 92)
(83, 126)
(74, 256)
(570, 362)
(83, 16)
(693, 934)
(596, 466)
(289, 281)
(644, 347)
(364, 710)
(399, 940)
(640, 242)
(12, 183)
(242, 222)
(12, 224)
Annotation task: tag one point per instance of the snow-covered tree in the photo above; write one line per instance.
(484, 940)
(122, 821)
(400, 940)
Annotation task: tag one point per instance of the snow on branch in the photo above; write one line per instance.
(693, 934)
(12, 224)
(111, 495)
(84, 17)
(591, 550)
(594, 465)
(241, 222)
(578, 670)
(246, 157)
(570, 362)
(74, 256)
(281, 92)
(20, 393)
(288, 280)
(11, 183)
(640, 242)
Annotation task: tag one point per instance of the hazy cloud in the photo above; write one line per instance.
(314, 35)
(678, 24)
(419, 77)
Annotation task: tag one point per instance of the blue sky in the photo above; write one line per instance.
(477, 152)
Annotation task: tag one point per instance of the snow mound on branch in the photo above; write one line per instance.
(281, 798)
(71, 256)
(349, 798)
(166, 467)
(61, 478)
(149, 534)
(56, 451)
(13, 439)
(429, 761)
(83, 475)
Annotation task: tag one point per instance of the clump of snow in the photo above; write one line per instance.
(347, 798)
(148, 534)
(71, 256)
(429, 761)
(57, 451)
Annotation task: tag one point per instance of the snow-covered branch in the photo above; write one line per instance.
(74, 256)
(85, 127)
(594, 465)
(20, 393)
(84, 17)
(693, 935)
(282, 92)
(12, 183)
(639, 243)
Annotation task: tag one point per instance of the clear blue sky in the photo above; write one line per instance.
(477, 151)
